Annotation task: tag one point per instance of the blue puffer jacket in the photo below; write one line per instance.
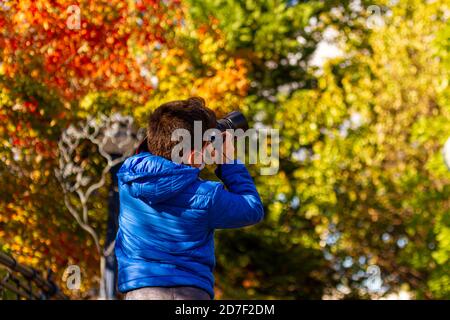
(168, 216)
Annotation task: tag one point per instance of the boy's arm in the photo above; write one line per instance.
(241, 205)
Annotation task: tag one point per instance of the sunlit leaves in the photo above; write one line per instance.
(368, 142)
(38, 39)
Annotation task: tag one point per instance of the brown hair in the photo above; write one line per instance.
(173, 115)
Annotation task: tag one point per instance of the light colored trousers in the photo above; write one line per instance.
(167, 293)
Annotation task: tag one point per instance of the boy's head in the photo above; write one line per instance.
(180, 114)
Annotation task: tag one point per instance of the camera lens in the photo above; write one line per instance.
(234, 120)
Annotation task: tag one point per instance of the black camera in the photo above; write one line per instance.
(234, 120)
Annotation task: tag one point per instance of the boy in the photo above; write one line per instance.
(165, 242)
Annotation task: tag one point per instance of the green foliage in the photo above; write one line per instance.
(373, 130)
(362, 180)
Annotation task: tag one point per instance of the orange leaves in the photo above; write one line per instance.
(216, 76)
(97, 55)
(230, 79)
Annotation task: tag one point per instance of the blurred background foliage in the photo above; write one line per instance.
(360, 206)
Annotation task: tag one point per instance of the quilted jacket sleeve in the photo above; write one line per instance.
(240, 205)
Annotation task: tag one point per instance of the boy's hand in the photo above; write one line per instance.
(228, 147)
(221, 154)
